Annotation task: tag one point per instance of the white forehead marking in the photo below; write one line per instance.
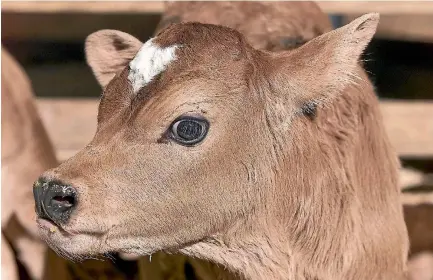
(149, 62)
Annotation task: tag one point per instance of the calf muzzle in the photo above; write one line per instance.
(54, 200)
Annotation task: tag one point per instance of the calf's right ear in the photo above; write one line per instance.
(318, 71)
(108, 52)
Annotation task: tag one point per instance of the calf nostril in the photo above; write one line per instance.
(55, 200)
(63, 201)
(59, 202)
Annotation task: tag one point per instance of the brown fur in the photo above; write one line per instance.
(272, 26)
(278, 24)
(26, 152)
(269, 193)
(8, 265)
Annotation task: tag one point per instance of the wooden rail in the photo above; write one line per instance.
(71, 124)
(414, 199)
(334, 7)
(409, 20)
(83, 7)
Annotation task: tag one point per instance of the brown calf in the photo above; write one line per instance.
(269, 26)
(208, 146)
(26, 152)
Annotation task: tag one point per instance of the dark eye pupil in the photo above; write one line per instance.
(189, 130)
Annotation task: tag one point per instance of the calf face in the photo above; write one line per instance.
(191, 127)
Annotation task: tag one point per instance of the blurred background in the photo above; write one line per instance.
(47, 39)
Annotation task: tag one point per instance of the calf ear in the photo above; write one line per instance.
(323, 67)
(108, 52)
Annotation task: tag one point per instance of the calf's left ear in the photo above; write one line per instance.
(108, 52)
(322, 68)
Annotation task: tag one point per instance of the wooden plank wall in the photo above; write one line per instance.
(340, 7)
(417, 17)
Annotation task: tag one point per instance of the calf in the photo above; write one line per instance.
(208, 146)
(273, 26)
(26, 152)
(279, 26)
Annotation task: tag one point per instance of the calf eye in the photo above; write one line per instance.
(189, 131)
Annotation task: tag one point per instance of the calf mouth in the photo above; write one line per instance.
(71, 244)
(52, 233)
(50, 227)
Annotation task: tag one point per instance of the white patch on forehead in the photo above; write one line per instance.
(150, 61)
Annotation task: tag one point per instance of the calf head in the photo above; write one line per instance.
(194, 128)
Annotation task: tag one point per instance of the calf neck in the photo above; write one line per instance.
(208, 146)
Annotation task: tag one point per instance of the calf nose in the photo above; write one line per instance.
(54, 200)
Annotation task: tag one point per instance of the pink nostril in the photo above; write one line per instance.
(65, 201)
